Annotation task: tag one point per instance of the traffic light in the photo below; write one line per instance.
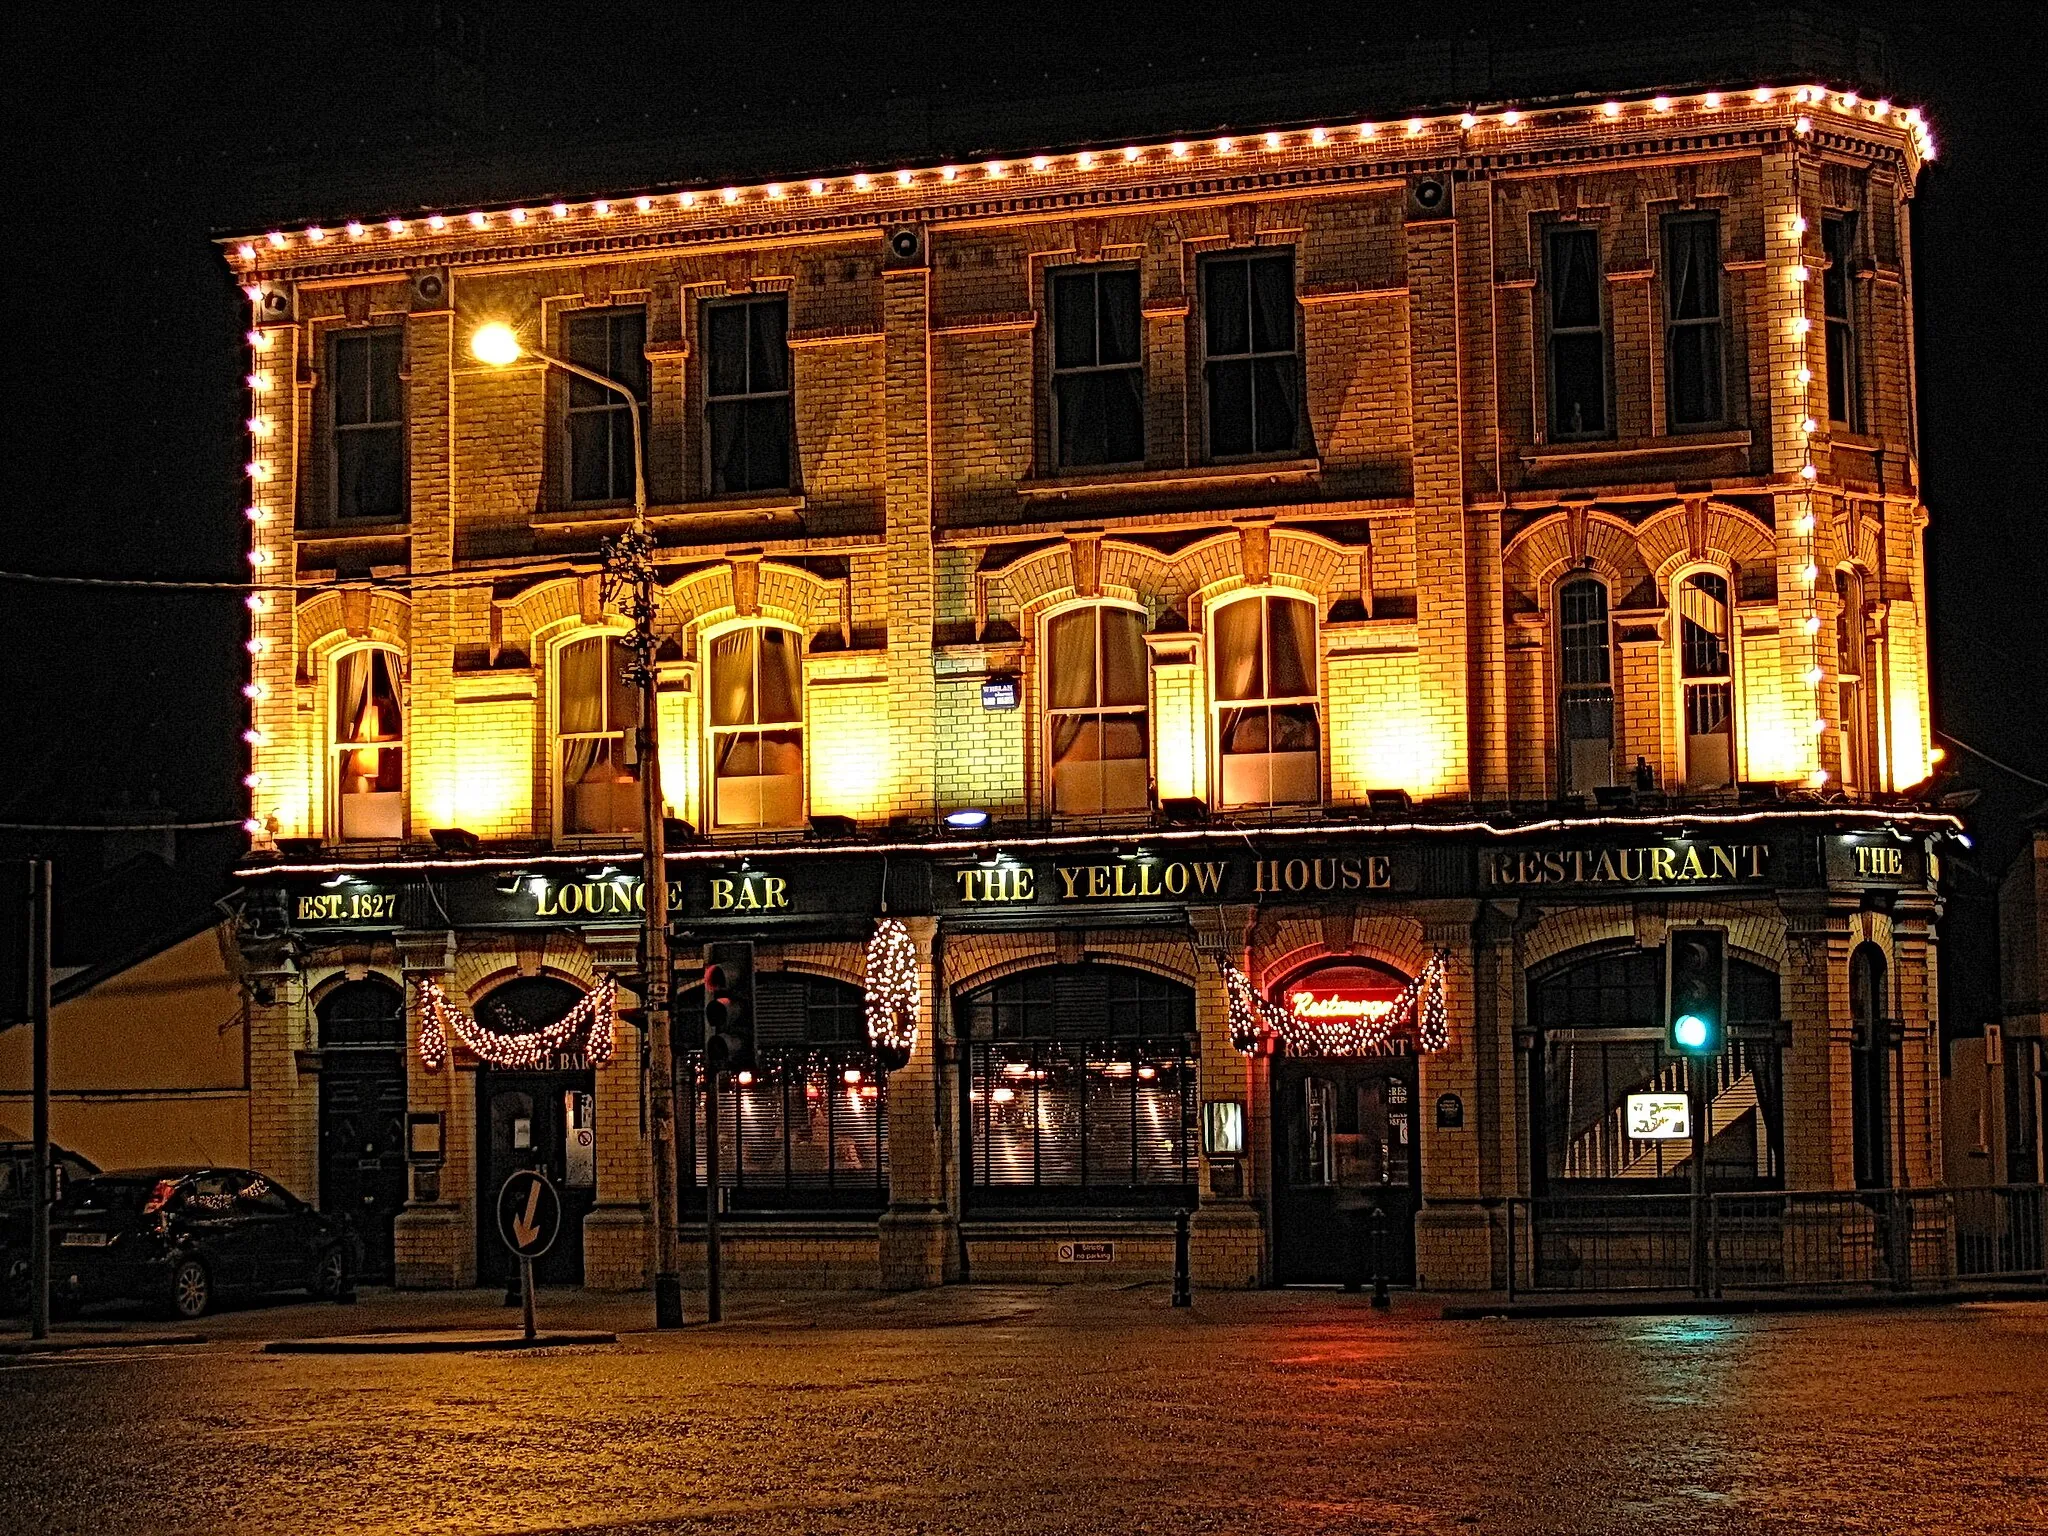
(728, 1007)
(1696, 990)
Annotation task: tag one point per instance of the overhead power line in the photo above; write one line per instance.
(2025, 778)
(118, 826)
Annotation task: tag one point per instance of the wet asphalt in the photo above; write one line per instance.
(1061, 1410)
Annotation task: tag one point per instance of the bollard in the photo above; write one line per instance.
(1182, 1296)
(1378, 1223)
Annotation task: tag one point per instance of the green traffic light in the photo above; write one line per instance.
(1691, 1032)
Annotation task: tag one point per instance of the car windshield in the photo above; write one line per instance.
(123, 1195)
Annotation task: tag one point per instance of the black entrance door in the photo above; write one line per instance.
(539, 1120)
(1345, 1144)
(362, 1116)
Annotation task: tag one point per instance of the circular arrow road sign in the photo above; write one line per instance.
(529, 1214)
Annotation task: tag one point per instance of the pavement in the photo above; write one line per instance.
(1075, 1409)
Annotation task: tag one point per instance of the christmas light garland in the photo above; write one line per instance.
(1257, 1026)
(891, 978)
(591, 1018)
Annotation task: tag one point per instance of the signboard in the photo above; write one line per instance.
(1087, 1253)
(1314, 1004)
(1677, 862)
(579, 1151)
(1450, 1112)
(1107, 879)
(1876, 858)
(999, 691)
(1659, 1117)
(1223, 1128)
(529, 1214)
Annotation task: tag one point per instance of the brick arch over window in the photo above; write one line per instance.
(1285, 944)
(1758, 936)
(974, 960)
(1725, 536)
(333, 619)
(560, 955)
(1548, 551)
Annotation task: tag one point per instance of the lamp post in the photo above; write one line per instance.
(629, 577)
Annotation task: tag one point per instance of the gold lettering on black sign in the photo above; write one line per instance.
(347, 906)
(749, 893)
(1662, 865)
(1880, 861)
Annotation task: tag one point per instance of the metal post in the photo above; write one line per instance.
(526, 1289)
(712, 1310)
(1511, 1248)
(1377, 1222)
(1702, 1134)
(1182, 1296)
(39, 1018)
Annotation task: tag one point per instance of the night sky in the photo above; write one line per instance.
(140, 135)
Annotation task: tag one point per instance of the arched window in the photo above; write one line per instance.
(1851, 669)
(369, 745)
(368, 1014)
(597, 754)
(1080, 1089)
(1869, 1067)
(808, 1127)
(1706, 679)
(1095, 691)
(1585, 686)
(1599, 1039)
(757, 727)
(1268, 734)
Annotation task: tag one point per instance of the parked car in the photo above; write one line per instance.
(182, 1238)
(17, 1187)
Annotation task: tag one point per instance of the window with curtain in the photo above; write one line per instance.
(747, 394)
(369, 745)
(1599, 1037)
(1251, 368)
(808, 1127)
(1098, 367)
(612, 342)
(366, 415)
(1852, 724)
(1692, 320)
(1577, 341)
(598, 758)
(1268, 732)
(1838, 303)
(757, 734)
(1707, 680)
(1081, 1088)
(1095, 690)
(1585, 681)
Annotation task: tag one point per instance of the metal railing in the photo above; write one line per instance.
(1898, 1239)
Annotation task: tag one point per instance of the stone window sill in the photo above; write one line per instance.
(1193, 476)
(1624, 449)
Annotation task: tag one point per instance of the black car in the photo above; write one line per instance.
(17, 1187)
(183, 1237)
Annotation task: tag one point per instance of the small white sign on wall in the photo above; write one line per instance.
(1659, 1117)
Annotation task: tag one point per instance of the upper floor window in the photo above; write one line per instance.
(1268, 735)
(1251, 368)
(597, 717)
(747, 394)
(1692, 320)
(1851, 649)
(1838, 301)
(367, 416)
(369, 745)
(1706, 675)
(1585, 686)
(612, 342)
(757, 731)
(1577, 332)
(1095, 690)
(1098, 367)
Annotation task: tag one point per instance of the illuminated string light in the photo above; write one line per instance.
(591, 1020)
(643, 203)
(892, 987)
(1257, 1026)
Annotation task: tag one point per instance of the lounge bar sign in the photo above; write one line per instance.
(1680, 862)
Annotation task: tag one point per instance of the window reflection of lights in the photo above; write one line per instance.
(851, 1075)
(1002, 1095)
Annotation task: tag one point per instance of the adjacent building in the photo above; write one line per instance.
(1271, 637)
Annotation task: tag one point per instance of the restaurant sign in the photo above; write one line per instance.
(1677, 862)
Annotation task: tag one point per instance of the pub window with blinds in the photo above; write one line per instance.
(808, 1127)
(1081, 1089)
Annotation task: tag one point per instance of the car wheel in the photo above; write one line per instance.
(330, 1275)
(191, 1289)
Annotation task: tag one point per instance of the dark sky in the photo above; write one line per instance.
(140, 132)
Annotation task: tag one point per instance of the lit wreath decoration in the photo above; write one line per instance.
(892, 989)
(1257, 1026)
(591, 1018)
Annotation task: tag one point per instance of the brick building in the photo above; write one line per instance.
(1381, 583)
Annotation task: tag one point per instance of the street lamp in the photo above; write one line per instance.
(629, 574)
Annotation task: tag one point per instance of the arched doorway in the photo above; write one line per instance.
(362, 1114)
(1347, 1150)
(543, 1118)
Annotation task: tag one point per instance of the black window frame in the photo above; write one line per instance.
(1279, 367)
(1564, 340)
(378, 437)
(1105, 1024)
(1088, 394)
(1695, 343)
(1585, 692)
(1840, 340)
(753, 407)
(624, 359)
